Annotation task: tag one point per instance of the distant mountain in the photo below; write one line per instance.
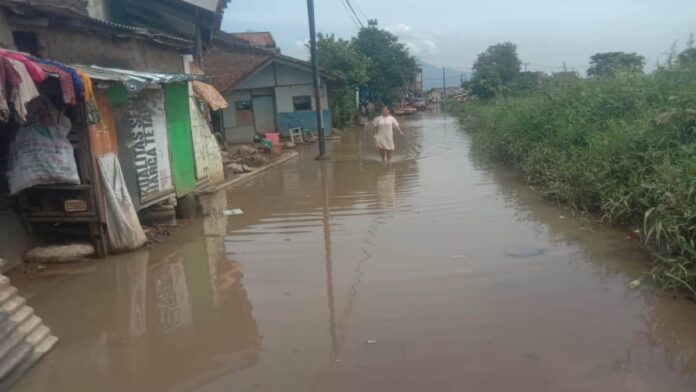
(432, 76)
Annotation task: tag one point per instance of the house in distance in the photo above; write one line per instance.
(267, 91)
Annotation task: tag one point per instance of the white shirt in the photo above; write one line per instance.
(385, 124)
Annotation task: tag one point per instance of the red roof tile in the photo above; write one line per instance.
(231, 66)
(261, 39)
(232, 59)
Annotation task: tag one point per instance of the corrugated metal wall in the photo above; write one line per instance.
(24, 339)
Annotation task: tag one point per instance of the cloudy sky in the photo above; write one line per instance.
(452, 32)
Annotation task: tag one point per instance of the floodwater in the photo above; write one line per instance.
(434, 273)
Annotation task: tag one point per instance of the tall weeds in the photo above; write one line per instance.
(623, 146)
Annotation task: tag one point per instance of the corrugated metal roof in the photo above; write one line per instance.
(210, 5)
(145, 32)
(133, 80)
(24, 339)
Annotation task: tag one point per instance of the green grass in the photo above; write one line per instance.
(624, 147)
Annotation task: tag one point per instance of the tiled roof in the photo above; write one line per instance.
(260, 39)
(231, 60)
(231, 66)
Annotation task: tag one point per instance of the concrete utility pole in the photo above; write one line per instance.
(444, 84)
(317, 81)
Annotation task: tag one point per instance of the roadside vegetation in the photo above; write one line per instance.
(618, 142)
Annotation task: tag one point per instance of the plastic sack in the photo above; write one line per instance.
(41, 153)
(122, 223)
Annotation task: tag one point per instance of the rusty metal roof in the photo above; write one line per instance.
(135, 81)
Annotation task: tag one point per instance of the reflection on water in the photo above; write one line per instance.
(436, 272)
(386, 187)
(171, 319)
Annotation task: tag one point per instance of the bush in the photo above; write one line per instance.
(344, 111)
(623, 146)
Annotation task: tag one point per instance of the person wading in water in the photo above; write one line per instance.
(384, 136)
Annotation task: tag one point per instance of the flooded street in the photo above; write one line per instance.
(434, 273)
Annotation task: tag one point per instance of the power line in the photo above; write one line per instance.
(361, 11)
(449, 77)
(355, 13)
(350, 15)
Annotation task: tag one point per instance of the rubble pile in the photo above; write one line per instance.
(243, 159)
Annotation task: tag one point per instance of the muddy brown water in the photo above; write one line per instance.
(434, 273)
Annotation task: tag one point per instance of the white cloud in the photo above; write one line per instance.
(419, 43)
(430, 45)
(302, 43)
(413, 48)
(400, 29)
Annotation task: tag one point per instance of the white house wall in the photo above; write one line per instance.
(291, 82)
(263, 78)
(288, 75)
(285, 94)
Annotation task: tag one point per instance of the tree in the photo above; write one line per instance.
(342, 58)
(687, 58)
(671, 55)
(528, 81)
(611, 63)
(495, 70)
(392, 69)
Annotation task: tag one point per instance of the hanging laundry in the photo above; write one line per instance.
(87, 83)
(91, 109)
(37, 74)
(25, 92)
(77, 81)
(67, 86)
(9, 80)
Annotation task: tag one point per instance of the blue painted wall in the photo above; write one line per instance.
(308, 120)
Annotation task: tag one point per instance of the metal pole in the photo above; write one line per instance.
(444, 84)
(317, 82)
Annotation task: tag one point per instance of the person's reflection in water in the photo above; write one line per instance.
(386, 187)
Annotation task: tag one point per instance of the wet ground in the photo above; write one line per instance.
(434, 273)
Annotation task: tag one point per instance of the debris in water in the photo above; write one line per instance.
(156, 234)
(372, 341)
(635, 284)
(459, 256)
(70, 253)
(233, 212)
(526, 252)
(238, 168)
(562, 217)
